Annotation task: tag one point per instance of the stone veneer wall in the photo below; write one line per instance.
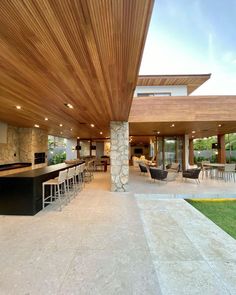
(9, 152)
(119, 156)
(22, 143)
(39, 141)
(32, 140)
(25, 146)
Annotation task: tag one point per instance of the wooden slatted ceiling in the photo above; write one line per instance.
(86, 53)
(192, 81)
(202, 129)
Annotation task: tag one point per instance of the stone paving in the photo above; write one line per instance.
(116, 243)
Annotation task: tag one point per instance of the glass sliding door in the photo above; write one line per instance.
(170, 150)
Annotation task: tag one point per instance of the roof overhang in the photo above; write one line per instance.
(191, 81)
(202, 114)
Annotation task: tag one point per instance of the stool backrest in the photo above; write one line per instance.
(82, 167)
(62, 176)
(78, 169)
(71, 172)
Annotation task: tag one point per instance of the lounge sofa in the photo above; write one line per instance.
(137, 160)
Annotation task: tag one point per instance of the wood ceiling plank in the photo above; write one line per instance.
(86, 53)
(201, 128)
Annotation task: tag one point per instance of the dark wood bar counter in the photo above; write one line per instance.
(21, 193)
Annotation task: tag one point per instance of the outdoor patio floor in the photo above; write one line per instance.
(141, 242)
(181, 188)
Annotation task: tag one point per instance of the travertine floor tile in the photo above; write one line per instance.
(111, 272)
(188, 277)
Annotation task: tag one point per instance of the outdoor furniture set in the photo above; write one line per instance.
(170, 173)
(219, 171)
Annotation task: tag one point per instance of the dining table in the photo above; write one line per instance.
(212, 167)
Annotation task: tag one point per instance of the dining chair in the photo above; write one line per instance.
(229, 172)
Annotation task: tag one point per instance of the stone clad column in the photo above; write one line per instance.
(119, 156)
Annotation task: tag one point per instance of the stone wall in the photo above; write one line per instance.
(39, 141)
(22, 143)
(9, 152)
(32, 140)
(119, 156)
(25, 144)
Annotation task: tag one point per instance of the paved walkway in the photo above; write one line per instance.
(190, 253)
(114, 243)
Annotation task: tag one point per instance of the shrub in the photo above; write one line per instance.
(58, 158)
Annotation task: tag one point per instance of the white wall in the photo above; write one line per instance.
(71, 152)
(175, 90)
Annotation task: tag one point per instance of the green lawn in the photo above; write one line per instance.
(221, 212)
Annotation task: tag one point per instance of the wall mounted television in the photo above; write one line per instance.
(138, 151)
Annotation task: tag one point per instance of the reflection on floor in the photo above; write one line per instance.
(116, 243)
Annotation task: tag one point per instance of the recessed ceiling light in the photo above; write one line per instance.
(193, 131)
(60, 125)
(158, 132)
(219, 125)
(78, 137)
(36, 125)
(18, 107)
(192, 136)
(101, 132)
(46, 119)
(172, 125)
(92, 125)
(71, 129)
(68, 105)
(61, 132)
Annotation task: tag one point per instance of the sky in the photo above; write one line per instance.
(194, 37)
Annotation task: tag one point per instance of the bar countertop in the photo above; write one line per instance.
(21, 193)
(41, 171)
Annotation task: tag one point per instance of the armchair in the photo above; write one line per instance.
(143, 168)
(157, 173)
(192, 174)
